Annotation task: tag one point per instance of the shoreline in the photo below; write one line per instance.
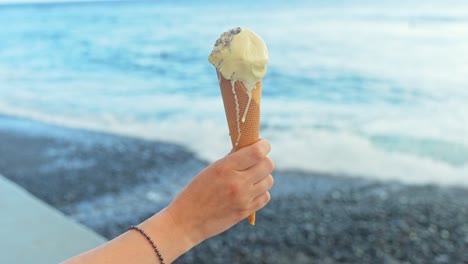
(109, 182)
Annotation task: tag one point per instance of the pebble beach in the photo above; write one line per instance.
(108, 182)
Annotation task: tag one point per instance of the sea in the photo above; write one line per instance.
(375, 89)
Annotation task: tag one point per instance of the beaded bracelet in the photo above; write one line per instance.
(141, 231)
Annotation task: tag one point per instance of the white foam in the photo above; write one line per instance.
(344, 153)
(302, 147)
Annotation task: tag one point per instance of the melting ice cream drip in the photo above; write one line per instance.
(219, 77)
(237, 112)
(247, 107)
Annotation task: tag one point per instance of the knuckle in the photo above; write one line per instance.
(271, 181)
(257, 152)
(270, 164)
(234, 189)
(221, 167)
(267, 198)
(263, 201)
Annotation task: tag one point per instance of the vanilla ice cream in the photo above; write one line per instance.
(240, 55)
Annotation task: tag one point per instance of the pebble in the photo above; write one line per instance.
(445, 234)
(326, 219)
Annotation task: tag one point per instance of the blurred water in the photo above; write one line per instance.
(353, 87)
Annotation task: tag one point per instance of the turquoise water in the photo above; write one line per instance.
(358, 88)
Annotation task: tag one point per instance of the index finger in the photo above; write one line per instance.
(248, 156)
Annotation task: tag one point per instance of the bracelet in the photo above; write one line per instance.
(141, 231)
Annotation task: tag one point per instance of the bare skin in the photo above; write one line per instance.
(219, 197)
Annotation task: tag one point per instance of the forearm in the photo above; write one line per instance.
(132, 247)
(216, 199)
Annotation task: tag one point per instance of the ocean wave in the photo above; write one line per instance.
(362, 90)
(312, 149)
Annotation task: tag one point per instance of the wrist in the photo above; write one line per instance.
(170, 238)
(185, 224)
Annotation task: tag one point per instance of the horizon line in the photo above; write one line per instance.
(26, 2)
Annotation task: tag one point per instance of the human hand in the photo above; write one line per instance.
(224, 193)
(220, 196)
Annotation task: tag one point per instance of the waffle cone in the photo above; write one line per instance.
(249, 130)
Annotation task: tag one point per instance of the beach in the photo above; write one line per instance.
(353, 88)
(108, 182)
(109, 108)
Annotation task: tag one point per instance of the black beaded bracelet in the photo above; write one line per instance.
(161, 259)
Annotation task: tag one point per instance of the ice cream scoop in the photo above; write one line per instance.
(240, 57)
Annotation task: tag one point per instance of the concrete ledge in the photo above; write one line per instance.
(32, 231)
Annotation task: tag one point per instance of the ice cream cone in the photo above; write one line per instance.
(242, 56)
(243, 127)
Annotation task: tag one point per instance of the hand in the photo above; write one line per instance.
(219, 197)
(224, 193)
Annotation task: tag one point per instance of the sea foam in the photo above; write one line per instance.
(307, 149)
